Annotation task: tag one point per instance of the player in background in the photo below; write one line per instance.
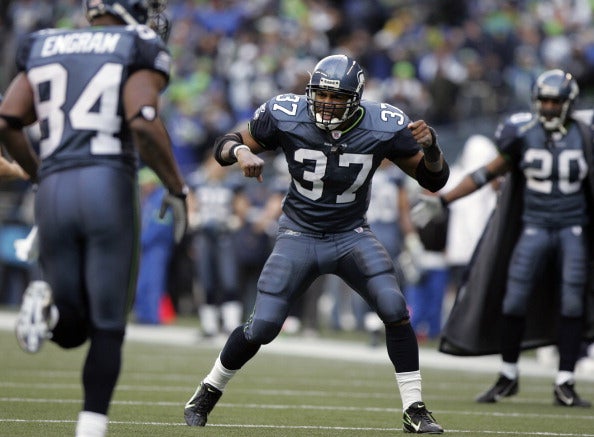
(95, 94)
(548, 156)
(333, 143)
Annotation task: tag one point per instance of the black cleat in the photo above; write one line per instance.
(566, 396)
(418, 420)
(504, 387)
(200, 404)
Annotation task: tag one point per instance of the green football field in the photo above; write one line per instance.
(274, 395)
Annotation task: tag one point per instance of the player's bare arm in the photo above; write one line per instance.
(477, 179)
(16, 112)
(141, 98)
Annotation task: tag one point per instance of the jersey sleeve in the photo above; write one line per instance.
(264, 127)
(507, 134)
(23, 51)
(151, 52)
(405, 145)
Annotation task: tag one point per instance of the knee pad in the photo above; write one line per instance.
(262, 332)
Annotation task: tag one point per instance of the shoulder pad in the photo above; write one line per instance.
(583, 115)
(384, 117)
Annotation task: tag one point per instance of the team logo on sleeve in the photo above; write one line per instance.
(259, 111)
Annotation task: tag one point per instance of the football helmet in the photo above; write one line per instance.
(149, 12)
(559, 85)
(338, 74)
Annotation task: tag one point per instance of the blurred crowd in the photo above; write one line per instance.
(459, 64)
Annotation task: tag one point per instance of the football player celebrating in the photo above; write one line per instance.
(333, 143)
(545, 214)
(95, 95)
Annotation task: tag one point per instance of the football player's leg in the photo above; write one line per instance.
(527, 263)
(111, 263)
(574, 278)
(288, 271)
(369, 270)
(60, 256)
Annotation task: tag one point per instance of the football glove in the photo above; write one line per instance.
(27, 249)
(428, 208)
(179, 208)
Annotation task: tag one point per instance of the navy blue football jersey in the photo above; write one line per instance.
(77, 78)
(554, 168)
(331, 172)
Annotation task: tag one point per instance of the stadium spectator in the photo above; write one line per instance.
(156, 248)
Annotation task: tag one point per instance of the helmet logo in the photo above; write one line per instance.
(329, 83)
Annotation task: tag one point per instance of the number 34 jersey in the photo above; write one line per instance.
(331, 171)
(77, 78)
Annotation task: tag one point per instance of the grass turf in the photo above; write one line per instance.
(40, 395)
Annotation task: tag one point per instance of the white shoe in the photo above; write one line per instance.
(37, 317)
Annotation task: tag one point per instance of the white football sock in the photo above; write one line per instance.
(219, 376)
(510, 370)
(91, 424)
(409, 384)
(563, 376)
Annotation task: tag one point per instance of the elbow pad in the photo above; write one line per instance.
(220, 142)
(432, 181)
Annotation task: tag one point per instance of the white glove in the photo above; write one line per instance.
(179, 208)
(428, 208)
(410, 270)
(413, 245)
(27, 249)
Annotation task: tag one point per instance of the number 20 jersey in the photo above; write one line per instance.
(331, 172)
(554, 168)
(77, 78)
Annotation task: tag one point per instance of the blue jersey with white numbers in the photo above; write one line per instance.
(77, 78)
(554, 168)
(331, 172)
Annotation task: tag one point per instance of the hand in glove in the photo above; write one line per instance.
(27, 249)
(179, 208)
(428, 208)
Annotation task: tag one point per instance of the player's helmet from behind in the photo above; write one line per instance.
(149, 12)
(129, 11)
(338, 74)
(558, 85)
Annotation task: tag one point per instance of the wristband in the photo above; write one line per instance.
(183, 194)
(236, 147)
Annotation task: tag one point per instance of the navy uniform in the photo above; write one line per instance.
(94, 93)
(86, 153)
(333, 143)
(324, 210)
(555, 210)
(541, 235)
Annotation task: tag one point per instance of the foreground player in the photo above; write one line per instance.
(94, 93)
(333, 143)
(548, 155)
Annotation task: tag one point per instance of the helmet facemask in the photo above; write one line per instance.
(549, 120)
(340, 112)
(558, 86)
(340, 76)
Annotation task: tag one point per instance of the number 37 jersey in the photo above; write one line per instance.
(331, 172)
(77, 78)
